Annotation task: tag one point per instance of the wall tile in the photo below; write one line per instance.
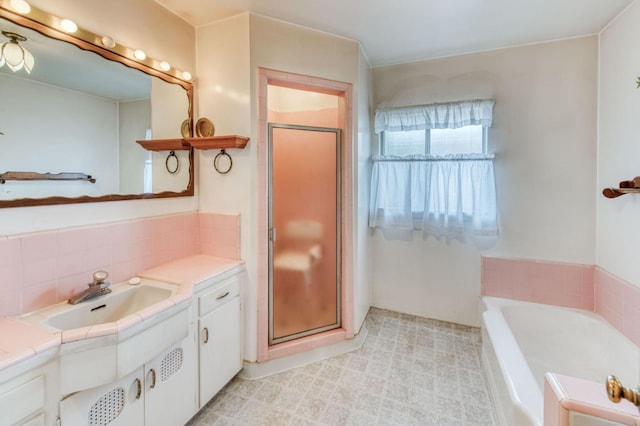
(9, 251)
(561, 284)
(39, 296)
(39, 246)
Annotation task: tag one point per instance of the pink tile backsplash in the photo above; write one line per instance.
(43, 268)
(218, 235)
(565, 284)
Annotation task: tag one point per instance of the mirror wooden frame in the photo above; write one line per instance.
(111, 55)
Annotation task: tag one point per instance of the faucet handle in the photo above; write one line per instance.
(98, 278)
(616, 392)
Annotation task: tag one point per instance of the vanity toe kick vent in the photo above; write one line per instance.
(171, 363)
(107, 408)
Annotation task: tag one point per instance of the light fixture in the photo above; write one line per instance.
(108, 42)
(15, 56)
(186, 75)
(165, 66)
(139, 55)
(69, 26)
(20, 6)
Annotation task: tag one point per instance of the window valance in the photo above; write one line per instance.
(450, 115)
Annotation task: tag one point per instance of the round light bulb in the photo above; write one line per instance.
(108, 42)
(139, 55)
(20, 6)
(186, 75)
(68, 25)
(165, 66)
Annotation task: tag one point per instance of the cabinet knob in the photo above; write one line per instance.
(222, 296)
(205, 335)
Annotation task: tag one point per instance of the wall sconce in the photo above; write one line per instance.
(15, 56)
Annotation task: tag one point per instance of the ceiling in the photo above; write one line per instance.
(398, 31)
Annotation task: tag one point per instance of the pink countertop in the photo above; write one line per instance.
(20, 341)
(191, 270)
(583, 396)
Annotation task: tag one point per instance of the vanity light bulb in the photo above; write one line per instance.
(186, 75)
(68, 25)
(20, 6)
(139, 55)
(108, 42)
(165, 66)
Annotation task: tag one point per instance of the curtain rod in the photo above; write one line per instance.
(488, 157)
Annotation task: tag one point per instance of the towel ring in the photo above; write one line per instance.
(216, 162)
(173, 171)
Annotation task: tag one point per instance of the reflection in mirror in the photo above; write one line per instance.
(78, 112)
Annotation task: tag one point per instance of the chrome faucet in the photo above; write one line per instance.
(96, 288)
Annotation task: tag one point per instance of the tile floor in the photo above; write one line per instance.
(410, 371)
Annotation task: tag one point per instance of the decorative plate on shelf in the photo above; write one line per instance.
(184, 129)
(204, 128)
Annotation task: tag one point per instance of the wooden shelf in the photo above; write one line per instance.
(218, 142)
(177, 144)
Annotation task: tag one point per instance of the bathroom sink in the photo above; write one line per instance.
(105, 338)
(124, 300)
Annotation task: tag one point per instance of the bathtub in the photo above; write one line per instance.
(522, 341)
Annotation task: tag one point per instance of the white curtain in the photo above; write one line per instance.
(448, 196)
(435, 116)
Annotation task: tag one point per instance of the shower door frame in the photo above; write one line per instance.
(256, 314)
(273, 236)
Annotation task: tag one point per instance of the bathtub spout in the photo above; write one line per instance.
(615, 391)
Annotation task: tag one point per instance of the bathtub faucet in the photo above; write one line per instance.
(615, 391)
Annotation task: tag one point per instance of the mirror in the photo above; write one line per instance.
(80, 111)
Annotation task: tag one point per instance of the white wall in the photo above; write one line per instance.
(162, 35)
(362, 184)
(544, 139)
(224, 97)
(618, 234)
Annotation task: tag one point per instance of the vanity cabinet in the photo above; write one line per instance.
(219, 335)
(160, 393)
(29, 398)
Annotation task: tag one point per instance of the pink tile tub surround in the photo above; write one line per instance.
(569, 285)
(561, 284)
(40, 269)
(618, 302)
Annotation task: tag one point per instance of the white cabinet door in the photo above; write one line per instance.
(220, 348)
(117, 404)
(170, 385)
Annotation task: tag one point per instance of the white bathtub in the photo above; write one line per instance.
(522, 341)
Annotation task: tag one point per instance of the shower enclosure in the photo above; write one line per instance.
(304, 231)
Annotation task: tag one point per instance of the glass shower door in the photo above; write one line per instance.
(304, 224)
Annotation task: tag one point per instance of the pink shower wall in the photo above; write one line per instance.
(40, 269)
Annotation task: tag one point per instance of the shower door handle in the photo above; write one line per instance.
(272, 234)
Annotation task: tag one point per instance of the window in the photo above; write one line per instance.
(433, 172)
(463, 140)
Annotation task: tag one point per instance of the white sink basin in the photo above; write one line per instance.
(124, 300)
(105, 338)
